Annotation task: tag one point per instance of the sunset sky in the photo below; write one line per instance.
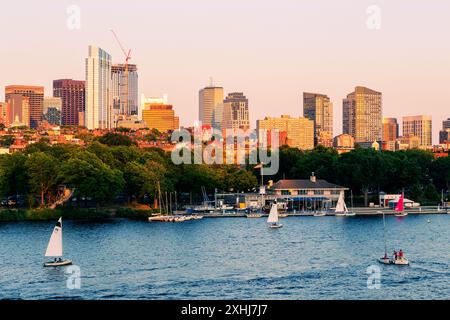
(270, 50)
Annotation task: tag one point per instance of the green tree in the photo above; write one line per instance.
(115, 139)
(92, 178)
(13, 174)
(139, 180)
(7, 140)
(43, 171)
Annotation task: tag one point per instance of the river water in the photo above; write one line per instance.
(229, 258)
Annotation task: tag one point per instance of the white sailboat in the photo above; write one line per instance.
(55, 248)
(273, 218)
(341, 208)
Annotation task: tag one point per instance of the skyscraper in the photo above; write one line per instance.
(363, 115)
(211, 106)
(125, 101)
(299, 131)
(235, 112)
(318, 107)
(35, 97)
(390, 129)
(72, 94)
(98, 114)
(419, 126)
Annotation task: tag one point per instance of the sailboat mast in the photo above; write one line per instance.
(384, 233)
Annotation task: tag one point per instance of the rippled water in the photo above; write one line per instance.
(311, 258)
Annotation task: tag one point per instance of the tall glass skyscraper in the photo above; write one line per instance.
(125, 97)
(98, 114)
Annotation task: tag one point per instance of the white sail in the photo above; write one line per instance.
(273, 216)
(341, 206)
(54, 248)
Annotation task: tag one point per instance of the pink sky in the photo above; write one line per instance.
(270, 50)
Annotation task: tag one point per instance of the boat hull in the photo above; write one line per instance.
(320, 215)
(56, 264)
(400, 215)
(276, 226)
(254, 216)
(398, 262)
(350, 214)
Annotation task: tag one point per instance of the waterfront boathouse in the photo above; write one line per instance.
(307, 195)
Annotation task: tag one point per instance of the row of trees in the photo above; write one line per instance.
(103, 171)
(367, 171)
(113, 166)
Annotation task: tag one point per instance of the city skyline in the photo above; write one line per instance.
(411, 74)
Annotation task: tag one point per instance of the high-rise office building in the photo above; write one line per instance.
(72, 94)
(98, 114)
(158, 114)
(52, 110)
(444, 134)
(299, 131)
(236, 112)
(421, 127)
(318, 107)
(390, 129)
(35, 97)
(363, 115)
(125, 101)
(211, 106)
(18, 110)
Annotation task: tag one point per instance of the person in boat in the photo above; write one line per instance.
(386, 256)
(395, 255)
(400, 254)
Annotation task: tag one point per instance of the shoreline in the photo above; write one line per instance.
(108, 213)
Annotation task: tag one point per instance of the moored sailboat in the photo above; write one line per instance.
(341, 208)
(55, 248)
(400, 207)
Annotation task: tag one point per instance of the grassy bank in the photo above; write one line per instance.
(72, 214)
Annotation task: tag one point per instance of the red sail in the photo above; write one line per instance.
(400, 204)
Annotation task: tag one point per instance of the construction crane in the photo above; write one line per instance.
(124, 96)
